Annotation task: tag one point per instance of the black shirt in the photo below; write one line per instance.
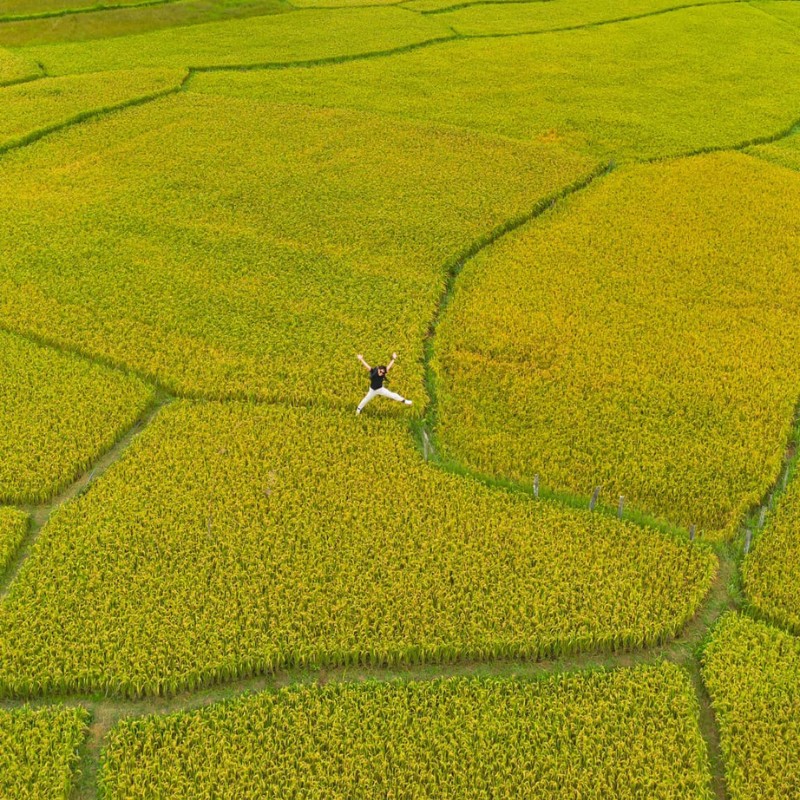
(376, 380)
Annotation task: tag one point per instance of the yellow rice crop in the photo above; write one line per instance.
(235, 539)
(58, 413)
(771, 572)
(39, 751)
(643, 337)
(626, 734)
(15, 67)
(752, 672)
(13, 525)
(274, 38)
(617, 89)
(502, 17)
(307, 237)
(785, 152)
(40, 105)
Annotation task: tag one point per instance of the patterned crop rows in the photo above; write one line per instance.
(752, 672)
(661, 365)
(57, 413)
(233, 540)
(13, 525)
(625, 734)
(260, 40)
(44, 104)
(617, 90)
(39, 752)
(309, 236)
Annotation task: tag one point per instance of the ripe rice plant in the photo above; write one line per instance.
(785, 152)
(29, 108)
(39, 751)
(661, 364)
(126, 21)
(21, 8)
(631, 733)
(502, 17)
(752, 672)
(13, 525)
(236, 539)
(273, 38)
(617, 89)
(309, 235)
(16, 67)
(58, 413)
(771, 572)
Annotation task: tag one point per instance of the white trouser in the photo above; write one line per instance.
(383, 392)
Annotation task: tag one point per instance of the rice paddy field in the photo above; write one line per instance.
(569, 568)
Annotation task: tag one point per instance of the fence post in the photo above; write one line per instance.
(761, 515)
(747, 538)
(536, 486)
(621, 506)
(425, 444)
(593, 501)
(691, 533)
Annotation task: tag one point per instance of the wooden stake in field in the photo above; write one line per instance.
(621, 506)
(536, 486)
(593, 501)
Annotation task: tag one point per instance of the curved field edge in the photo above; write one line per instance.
(39, 751)
(60, 414)
(318, 575)
(752, 675)
(372, 738)
(70, 100)
(228, 306)
(13, 527)
(270, 41)
(488, 349)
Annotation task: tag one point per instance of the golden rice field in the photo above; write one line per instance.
(752, 672)
(771, 572)
(13, 526)
(661, 365)
(569, 569)
(633, 733)
(39, 751)
(232, 540)
(58, 413)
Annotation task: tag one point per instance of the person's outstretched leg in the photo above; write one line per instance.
(367, 397)
(384, 392)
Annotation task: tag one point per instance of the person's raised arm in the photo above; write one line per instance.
(391, 363)
(361, 359)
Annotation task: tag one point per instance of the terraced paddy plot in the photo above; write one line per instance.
(700, 78)
(510, 18)
(785, 152)
(752, 672)
(15, 67)
(58, 413)
(771, 571)
(39, 751)
(650, 348)
(43, 105)
(126, 20)
(272, 39)
(235, 539)
(307, 237)
(21, 8)
(631, 734)
(13, 525)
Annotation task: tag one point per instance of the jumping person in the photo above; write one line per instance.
(377, 375)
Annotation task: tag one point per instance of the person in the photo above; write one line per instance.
(377, 375)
